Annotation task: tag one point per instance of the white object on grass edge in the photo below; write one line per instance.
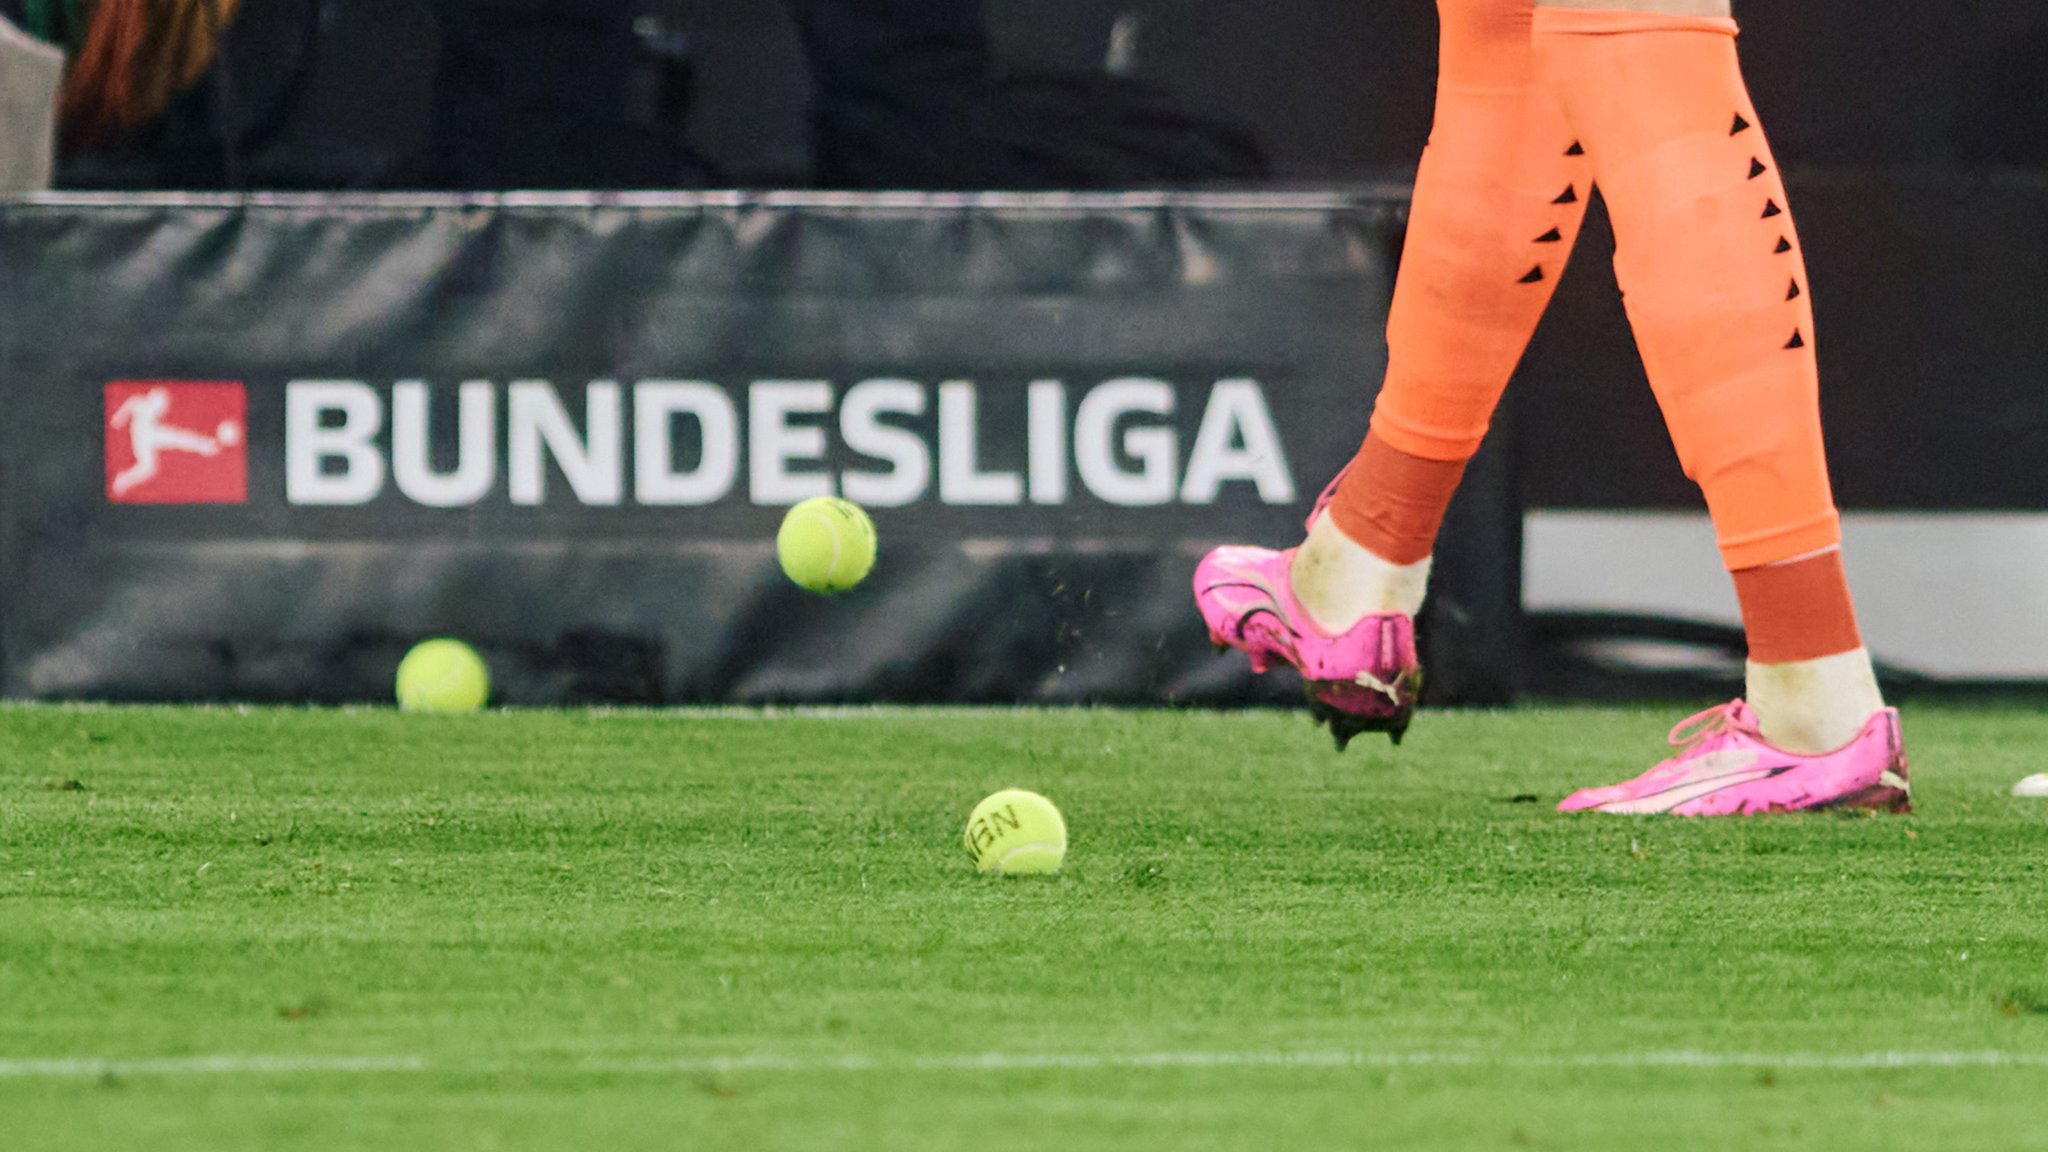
(2034, 787)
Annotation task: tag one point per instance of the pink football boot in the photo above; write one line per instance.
(1726, 769)
(1366, 680)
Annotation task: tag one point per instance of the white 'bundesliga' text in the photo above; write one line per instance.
(1118, 439)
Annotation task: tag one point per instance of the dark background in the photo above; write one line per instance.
(1340, 90)
(1915, 136)
(1079, 602)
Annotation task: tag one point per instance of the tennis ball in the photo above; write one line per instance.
(443, 676)
(826, 544)
(1017, 833)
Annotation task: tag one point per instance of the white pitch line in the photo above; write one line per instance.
(75, 1068)
(80, 1068)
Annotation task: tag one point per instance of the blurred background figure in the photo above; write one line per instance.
(120, 65)
(911, 95)
(452, 94)
(372, 94)
(30, 72)
(539, 94)
(127, 60)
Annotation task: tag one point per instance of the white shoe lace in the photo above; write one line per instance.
(1703, 726)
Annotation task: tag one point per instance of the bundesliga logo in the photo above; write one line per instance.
(685, 443)
(176, 442)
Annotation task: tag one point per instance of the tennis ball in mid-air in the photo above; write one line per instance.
(826, 544)
(1017, 833)
(443, 676)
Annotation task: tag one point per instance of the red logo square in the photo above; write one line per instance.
(177, 442)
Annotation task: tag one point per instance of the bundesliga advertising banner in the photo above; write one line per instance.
(257, 448)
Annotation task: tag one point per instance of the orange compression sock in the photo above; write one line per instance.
(1709, 264)
(1798, 610)
(1391, 503)
(1499, 198)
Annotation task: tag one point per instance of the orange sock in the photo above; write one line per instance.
(1391, 503)
(1498, 202)
(1799, 610)
(1709, 265)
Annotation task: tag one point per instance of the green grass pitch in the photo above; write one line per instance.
(360, 930)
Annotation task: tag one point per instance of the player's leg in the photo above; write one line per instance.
(1499, 198)
(1498, 202)
(1717, 294)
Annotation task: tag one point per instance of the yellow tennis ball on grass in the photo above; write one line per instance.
(1017, 833)
(826, 544)
(443, 676)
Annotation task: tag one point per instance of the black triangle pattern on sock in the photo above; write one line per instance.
(1798, 340)
(1551, 237)
(1771, 209)
(1794, 292)
(1577, 149)
(1783, 247)
(1535, 275)
(1569, 196)
(1756, 168)
(1741, 126)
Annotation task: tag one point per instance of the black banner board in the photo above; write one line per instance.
(258, 446)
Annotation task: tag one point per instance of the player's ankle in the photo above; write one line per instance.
(1341, 582)
(1815, 706)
